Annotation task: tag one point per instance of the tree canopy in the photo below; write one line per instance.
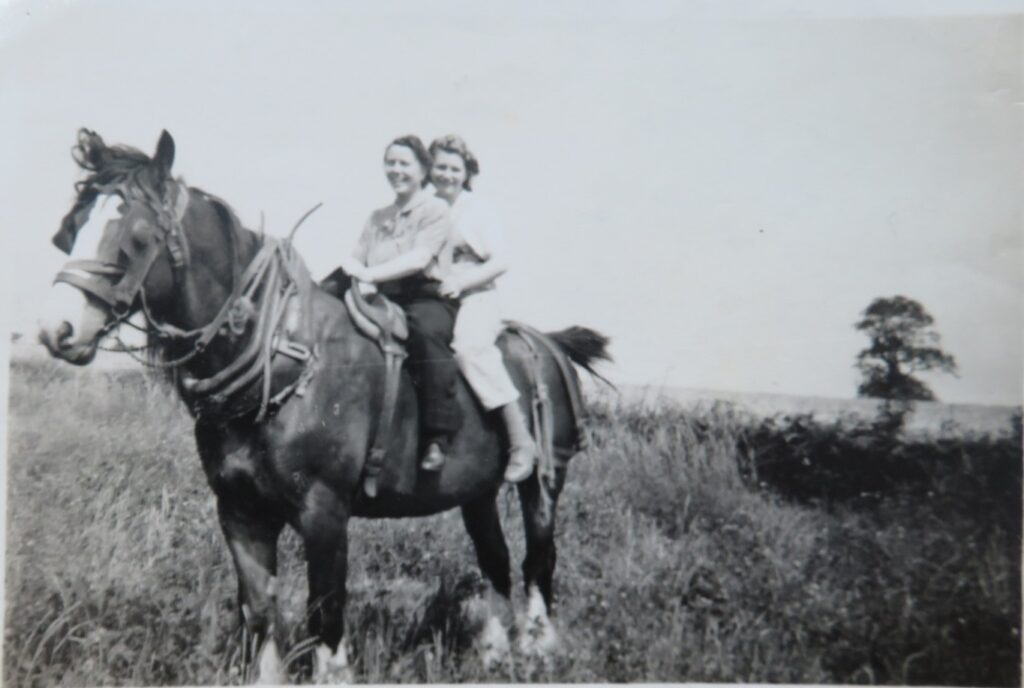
(903, 342)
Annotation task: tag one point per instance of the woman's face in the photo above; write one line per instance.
(403, 170)
(448, 173)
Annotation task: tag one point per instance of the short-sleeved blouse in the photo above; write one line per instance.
(424, 222)
(476, 234)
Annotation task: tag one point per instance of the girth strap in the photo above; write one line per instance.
(394, 355)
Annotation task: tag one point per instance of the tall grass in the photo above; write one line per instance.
(675, 563)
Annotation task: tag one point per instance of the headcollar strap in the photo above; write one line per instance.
(85, 275)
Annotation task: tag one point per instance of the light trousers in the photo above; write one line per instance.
(477, 327)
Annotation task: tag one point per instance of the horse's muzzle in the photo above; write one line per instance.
(59, 340)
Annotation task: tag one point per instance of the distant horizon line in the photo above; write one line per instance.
(719, 392)
(589, 383)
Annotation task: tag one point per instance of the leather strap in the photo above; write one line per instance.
(394, 354)
(542, 417)
(568, 377)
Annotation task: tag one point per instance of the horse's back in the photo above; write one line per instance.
(479, 451)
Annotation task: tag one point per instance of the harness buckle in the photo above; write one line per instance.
(299, 352)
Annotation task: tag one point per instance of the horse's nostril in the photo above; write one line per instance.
(64, 331)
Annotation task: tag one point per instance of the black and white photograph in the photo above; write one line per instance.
(583, 341)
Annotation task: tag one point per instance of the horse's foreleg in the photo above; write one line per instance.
(253, 545)
(484, 526)
(539, 636)
(324, 526)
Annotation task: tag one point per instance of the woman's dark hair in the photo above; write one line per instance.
(454, 144)
(413, 143)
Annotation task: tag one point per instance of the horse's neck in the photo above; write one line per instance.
(219, 249)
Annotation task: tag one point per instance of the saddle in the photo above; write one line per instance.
(376, 316)
(384, 321)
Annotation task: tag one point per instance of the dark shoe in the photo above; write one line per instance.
(433, 458)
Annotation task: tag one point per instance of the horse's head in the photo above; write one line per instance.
(137, 247)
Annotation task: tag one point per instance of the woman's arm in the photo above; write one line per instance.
(409, 263)
(431, 237)
(482, 232)
(476, 276)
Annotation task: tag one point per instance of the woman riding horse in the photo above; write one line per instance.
(476, 264)
(405, 249)
(286, 392)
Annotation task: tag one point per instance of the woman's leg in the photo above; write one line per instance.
(477, 327)
(431, 324)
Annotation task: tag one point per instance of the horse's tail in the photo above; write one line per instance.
(584, 347)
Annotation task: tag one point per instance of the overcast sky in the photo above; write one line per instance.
(720, 191)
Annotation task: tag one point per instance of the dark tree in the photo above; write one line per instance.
(903, 342)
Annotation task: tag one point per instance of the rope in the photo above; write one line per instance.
(301, 220)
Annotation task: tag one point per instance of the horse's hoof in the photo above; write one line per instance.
(332, 668)
(269, 668)
(538, 638)
(493, 644)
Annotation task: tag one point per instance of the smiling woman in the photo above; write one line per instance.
(282, 387)
(405, 249)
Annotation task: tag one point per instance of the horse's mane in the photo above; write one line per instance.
(113, 169)
(109, 165)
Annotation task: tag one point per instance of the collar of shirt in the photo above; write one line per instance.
(387, 219)
(418, 199)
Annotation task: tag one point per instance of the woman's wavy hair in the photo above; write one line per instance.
(454, 144)
(413, 143)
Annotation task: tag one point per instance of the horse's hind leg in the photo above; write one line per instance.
(539, 505)
(253, 545)
(484, 526)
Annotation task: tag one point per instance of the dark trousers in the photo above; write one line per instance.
(431, 361)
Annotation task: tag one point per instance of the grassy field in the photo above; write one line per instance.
(674, 564)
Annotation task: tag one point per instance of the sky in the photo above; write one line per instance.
(720, 189)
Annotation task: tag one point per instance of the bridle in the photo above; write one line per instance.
(253, 311)
(120, 287)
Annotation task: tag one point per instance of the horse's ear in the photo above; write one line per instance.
(164, 156)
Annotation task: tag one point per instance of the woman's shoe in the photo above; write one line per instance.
(522, 450)
(433, 458)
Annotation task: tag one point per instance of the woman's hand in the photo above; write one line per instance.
(451, 287)
(355, 269)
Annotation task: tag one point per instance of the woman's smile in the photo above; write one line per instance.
(403, 170)
(448, 173)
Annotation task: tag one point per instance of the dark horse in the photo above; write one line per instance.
(283, 433)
